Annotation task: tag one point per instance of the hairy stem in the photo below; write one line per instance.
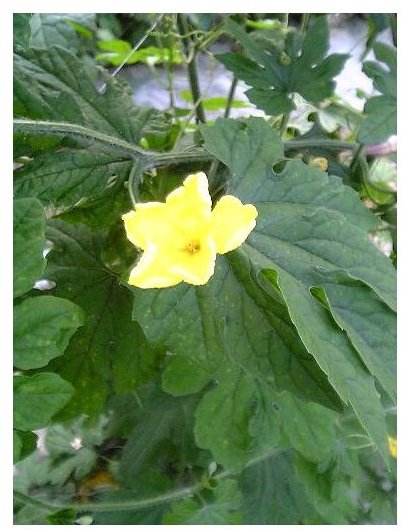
(150, 158)
(192, 69)
(136, 504)
(71, 129)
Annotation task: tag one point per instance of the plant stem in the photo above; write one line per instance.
(230, 97)
(149, 157)
(284, 124)
(61, 129)
(136, 504)
(335, 145)
(304, 22)
(355, 158)
(191, 69)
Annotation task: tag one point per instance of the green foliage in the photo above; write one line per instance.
(29, 241)
(295, 65)
(380, 120)
(37, 398)
(266, 396)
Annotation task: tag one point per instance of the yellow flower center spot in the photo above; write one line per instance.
(193, 246)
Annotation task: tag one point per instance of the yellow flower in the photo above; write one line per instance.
(392, 446)
(181, 237)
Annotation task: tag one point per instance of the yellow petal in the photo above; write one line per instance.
(189, 205)
(195, 268)
(392, 444)
(231, 223)
(153, 270)
(146, 223)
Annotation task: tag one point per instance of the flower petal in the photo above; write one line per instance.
(146, 223)
(231, 223)
(153, 270)
(189, 205)
(196, 268)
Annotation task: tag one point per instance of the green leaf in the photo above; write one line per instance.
(272, 493)
(50, 29)
(24, 443)
(309, 426)
(29, 243)
(64, 90)
(182, 377)
(164, 422)
(70, 176)
(380, 121)
(110, 353)
(37, 398)
(309, 221)
(248, 148)
(331, 493)
(370, 325)
(306, 219)
(222, 419)
(275, 75)
(207, 326)
(21, 29)
(337, 359)
(43, 327)
(222, 510)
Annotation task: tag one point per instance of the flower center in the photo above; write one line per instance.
(192, 246)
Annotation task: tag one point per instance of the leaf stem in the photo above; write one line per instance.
(191, 69)
(61, 129)
(355, 158)
(304, 22)
(150, 158)
(231, 94)
(136, 504)
(284, 124)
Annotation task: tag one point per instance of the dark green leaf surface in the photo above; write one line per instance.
(110, 353)
(24, 443)
(50, 29)
(272, 493)
(43, 327)
(371, 327)
(70, 176)
(275, 76)
(37, 398)
(29, 243)
(55, 84)
(222, 510)
(380, 121)
(222, 419)
(306, 221)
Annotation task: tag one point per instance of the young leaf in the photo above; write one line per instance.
(29, 243)
(43, 327)
(37, 398)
